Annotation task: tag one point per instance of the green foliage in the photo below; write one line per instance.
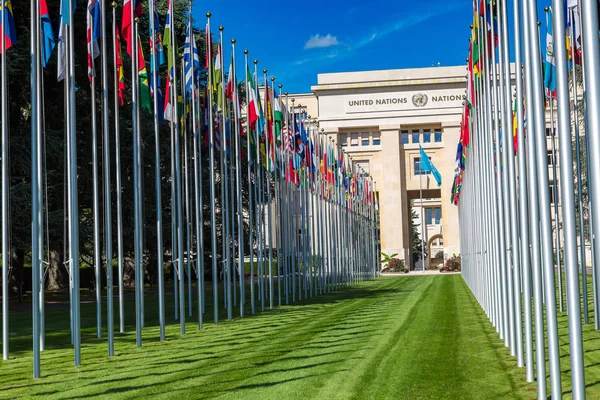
(19, 116)
(385, 258)
(415, 242)
(395, 265)
(453, 264)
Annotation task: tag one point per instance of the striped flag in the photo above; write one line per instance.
(156, 42)
(62, 37)
(48, 41)
(126, 28)
(93, 34)
(119, 62)
(191, 59)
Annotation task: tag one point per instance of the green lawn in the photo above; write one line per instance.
(393, 338)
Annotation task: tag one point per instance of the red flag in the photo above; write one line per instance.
(126, 27)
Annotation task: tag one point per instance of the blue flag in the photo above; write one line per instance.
(64, 11)
(427, 165)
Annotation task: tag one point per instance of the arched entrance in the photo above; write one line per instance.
(429, 257)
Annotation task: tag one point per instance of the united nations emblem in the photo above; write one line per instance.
(420, 100)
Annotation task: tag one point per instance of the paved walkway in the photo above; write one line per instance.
(421, 273)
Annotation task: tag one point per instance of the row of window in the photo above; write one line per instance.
(417, 167)
(356, 139)
(421, 136)
(433, 216)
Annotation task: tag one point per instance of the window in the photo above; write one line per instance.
(354, 139)
(433, 216)
(550, 158)
(552, 199)
(343, 139)
(438, 136)
(429, 216)
(426, 136)
(364, 164)
(376, 138)
(404, 137)
(365, 139)
(417, 166)
(415, 136)
(438, 215)
(548, 132)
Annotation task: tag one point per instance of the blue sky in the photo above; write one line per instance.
(297, 40)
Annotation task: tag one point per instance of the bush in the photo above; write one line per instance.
(452, 264)
(395, 265)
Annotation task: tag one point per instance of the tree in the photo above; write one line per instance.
(415, 237)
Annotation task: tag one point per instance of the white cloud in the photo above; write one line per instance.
(318, 41)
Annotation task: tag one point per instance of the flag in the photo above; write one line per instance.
(156, 42)
(145, 102)
(8, 24)
(119, 62)
(252, 101)
(48, 42)
(278, 119)
(269, 135)
(191, 59)
(573, 18)
(93, 34)
(159, 99)
(427, 165)
(167, 37)
(230, 84)
(64, 10)
(515, 128)
(550, 64)
(168, 108)
(217, 79)
(126, 28)
(62, 37)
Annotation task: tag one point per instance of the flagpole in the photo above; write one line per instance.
(579, 179)
(259, 211)
(118, 181)
(95, 188)
(568, 211)
(523, 200)
(178, 198)
(5, 177)
(213, 222)
(422, 211)
(268, 175)
(74, 214)
(238, 166)
(136, 196)
(159, 223)
(250, 187)
(35, 231)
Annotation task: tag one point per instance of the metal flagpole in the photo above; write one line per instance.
(534, 205)
(107, 181)
(250, 188)
(555, 196)
(267, 207)
(539, 166)
(186, 180)
(136, 179)
(568, 208)
(238, 167)
(422, 211)
(579, 175)
(197, 157)
(95, 186)
(178, 194)
(213, 222)
(5, 178)
(523, 200)
(503, 144)
(74, 207)
(35, 228)
(157, 174)
(118, 180)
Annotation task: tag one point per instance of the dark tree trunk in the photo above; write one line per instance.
(58, 275)
(17, 282)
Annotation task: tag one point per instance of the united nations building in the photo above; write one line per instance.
(380, 118)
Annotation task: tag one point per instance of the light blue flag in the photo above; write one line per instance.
(427, 165)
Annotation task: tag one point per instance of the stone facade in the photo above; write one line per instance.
(380, 118)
